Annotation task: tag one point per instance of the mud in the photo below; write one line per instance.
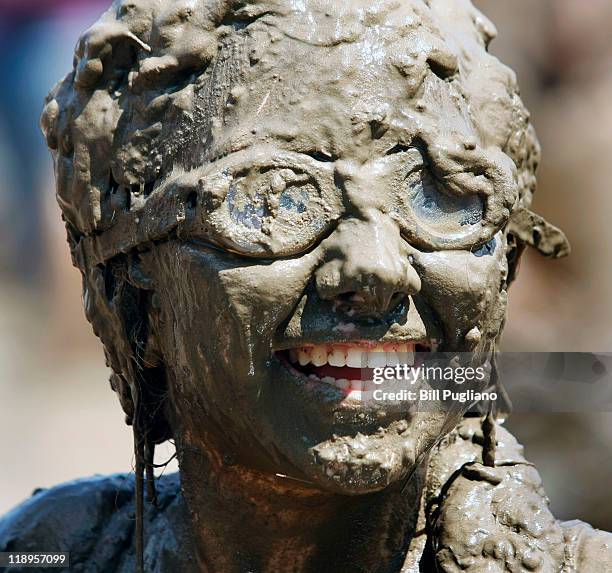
(240, 178)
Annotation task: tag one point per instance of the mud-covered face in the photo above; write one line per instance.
(327, 222)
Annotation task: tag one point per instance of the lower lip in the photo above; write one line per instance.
(352, 390)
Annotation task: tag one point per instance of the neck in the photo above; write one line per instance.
(245, 520)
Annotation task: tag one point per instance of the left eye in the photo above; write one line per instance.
(248, 212)
(440, 209)
(431, 216)
(294, 200)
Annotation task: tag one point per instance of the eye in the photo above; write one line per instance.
(294, 201)
(244, 210)
(440, 209)
(270, 210)
(254, 202)
(431, 216)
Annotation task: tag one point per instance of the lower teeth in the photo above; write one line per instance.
(349, 386)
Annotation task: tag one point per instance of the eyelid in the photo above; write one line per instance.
(438, 176)
(411, 159)
(319, 156)
(441, 183)
(270, 157)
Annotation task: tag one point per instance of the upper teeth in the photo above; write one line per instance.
(354, 355)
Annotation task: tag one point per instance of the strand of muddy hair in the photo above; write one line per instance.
(490, 442)
(149, 457)
(489, 445)
(139, 471)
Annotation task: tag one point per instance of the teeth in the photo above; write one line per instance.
(303, 357)
(353, 357)
(343, 384)
(409, 357)
(319, 355)
(406, 352)
(337, 358)
(356, 385)
(377, 358)
(393, 358)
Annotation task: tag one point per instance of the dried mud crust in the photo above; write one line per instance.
(93, 520)
(497, 519)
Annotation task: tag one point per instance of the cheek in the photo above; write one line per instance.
(465, 291)
(218, 316)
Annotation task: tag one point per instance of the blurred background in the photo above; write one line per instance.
(58, 417)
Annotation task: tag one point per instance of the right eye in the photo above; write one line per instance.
(269, 211)
(246, 211)
(255, 202)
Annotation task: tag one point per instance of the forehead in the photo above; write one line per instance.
(350, 79)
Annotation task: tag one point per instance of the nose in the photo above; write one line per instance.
(367, 267)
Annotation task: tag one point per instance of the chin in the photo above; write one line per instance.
(362, 464)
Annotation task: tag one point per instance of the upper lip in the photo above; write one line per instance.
(364, 344)
(315, 322)
(358, 336)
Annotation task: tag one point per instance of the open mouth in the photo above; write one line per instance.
(349, 366)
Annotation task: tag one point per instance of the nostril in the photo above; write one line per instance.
(350, 297)
(346, 296)
(350, 302)
(368, 303)
(396, 299)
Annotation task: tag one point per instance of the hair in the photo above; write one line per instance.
(150, 81)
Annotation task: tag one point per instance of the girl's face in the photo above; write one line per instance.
(331, 219)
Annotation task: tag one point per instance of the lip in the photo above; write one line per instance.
(348, 332)
(347, 366)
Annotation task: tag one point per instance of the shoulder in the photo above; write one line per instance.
(463, 446)
(65, 516)
(589, 549)
(497, 518)
(93, 519)
(457, 452)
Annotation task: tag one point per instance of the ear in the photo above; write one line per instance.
(527, 229)
(514, 253)
(533, 230)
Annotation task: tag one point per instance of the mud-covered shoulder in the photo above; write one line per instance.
(94, 520)
(464, 445)
(495, 517)
(69, 517)
(589, 549)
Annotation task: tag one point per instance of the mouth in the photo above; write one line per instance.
(349, 366)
